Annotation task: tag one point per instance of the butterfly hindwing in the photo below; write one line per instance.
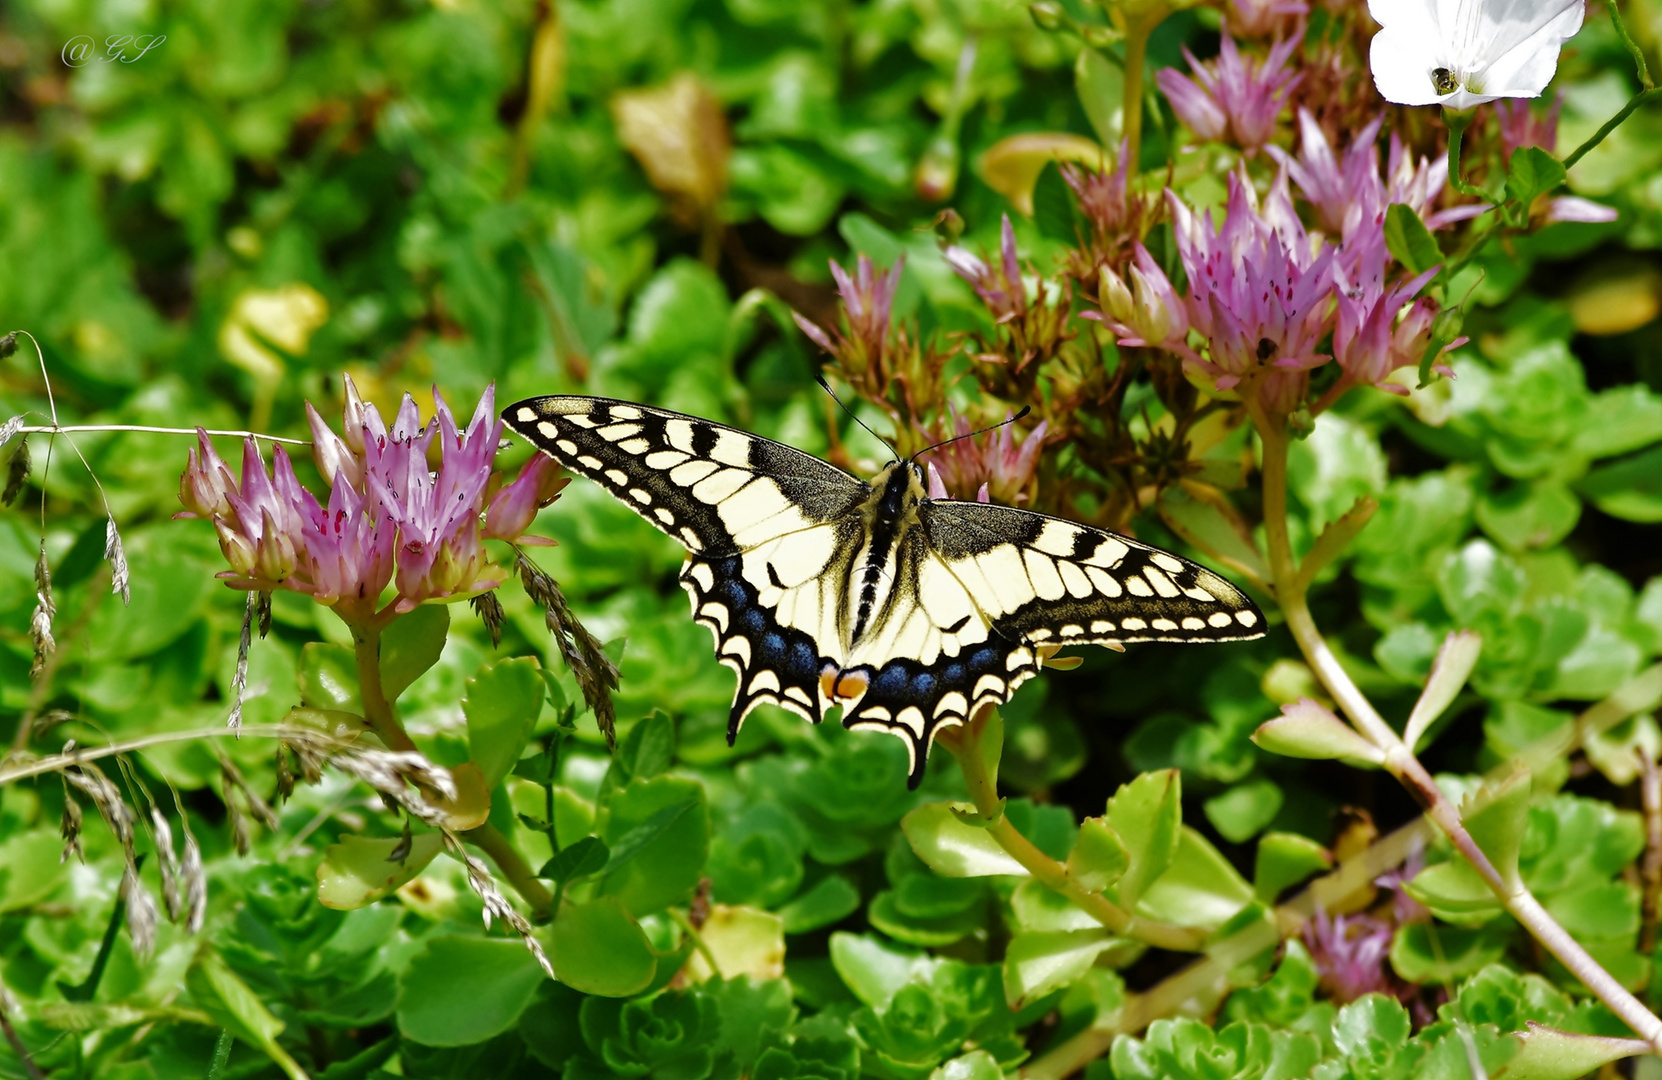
(715, 489)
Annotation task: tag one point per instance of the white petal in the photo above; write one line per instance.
(1402, 63)
(1524, 69)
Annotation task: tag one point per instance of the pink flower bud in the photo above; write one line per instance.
(514, 507)
(335, 459)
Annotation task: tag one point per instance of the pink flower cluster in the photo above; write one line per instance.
(868, 304)
(1264, 294)
(991, 467)
(1232, 99)
(389, 518)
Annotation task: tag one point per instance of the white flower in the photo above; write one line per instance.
(1461, 53)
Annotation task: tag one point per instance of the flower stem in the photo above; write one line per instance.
(1400, 760)
(489, 839)
(1458, 121)
(1611, 125)
(964, 743)
(1137, 30)
(1640, 68)
(381, 714)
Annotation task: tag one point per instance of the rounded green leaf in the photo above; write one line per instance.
(502, 705)
(410, 645)
(1199, 888)
(1147, 813)
(1098, 857)
(1036, 964)
(329, 678)
(1240, 812)
(357, 871)
(744, 941)
(657, 854)
(1371, 1025)
(875, 969)
(599, 949)
(975, 1065)
(463, 990)
(1284, 860)
(952, 848)
(829, 900)
(29, 868)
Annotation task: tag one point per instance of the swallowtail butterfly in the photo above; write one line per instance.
(822, 589)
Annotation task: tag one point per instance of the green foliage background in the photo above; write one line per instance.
(378, 153)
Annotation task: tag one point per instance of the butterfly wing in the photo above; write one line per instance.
(992, 585)
(767, 528)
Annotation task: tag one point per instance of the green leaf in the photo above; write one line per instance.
(744, 941)
(1099, 857)
(646, 750)
(410, 645)
(953, 848)
(1536, 514)
(1496, 818)
(29, 868)
(1147, 814)
(830, 900)
(599, 949)
(1308, 730)
(1241, 812)
(873, 968)
(463, 990)
(329, 678)
(1053, 210)
(975, 1065)
(1453, 666)
(356, 871)
(1037, 963)
(1630, 489)
(1429, 953)
(1198, 888)
(1531, 172)
(659, 835)
(1550, 1054)
(230, 1004)
(1283, 860)
(1100, 85)
(1372, 1026)
(502, 705)
(1409, 241)
(578, 860)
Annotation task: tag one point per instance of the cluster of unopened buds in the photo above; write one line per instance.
(408, 507)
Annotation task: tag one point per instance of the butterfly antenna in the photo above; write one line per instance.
(827, 388)
(1025, 409)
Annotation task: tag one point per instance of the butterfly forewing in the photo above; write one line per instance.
(913, 621)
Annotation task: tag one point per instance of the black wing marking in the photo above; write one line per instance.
(715, 489)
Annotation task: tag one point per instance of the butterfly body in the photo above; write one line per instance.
(822, 589)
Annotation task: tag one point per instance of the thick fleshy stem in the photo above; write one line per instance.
(1137, 30)
(382, 716)
(1400, 760)
(965, 745)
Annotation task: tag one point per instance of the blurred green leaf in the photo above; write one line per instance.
(502, 705)
(459, 990)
